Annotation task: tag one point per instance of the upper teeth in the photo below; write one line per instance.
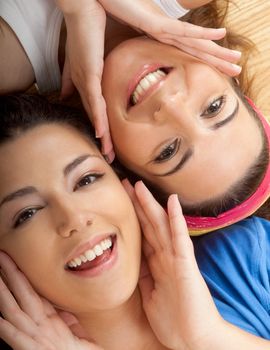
(91, 254)
(149, 80)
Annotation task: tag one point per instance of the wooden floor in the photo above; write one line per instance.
(252, 19)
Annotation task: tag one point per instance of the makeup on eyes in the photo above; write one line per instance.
(168, 151)
(172, 149)
(24, 203)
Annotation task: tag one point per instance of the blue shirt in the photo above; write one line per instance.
(235, 262)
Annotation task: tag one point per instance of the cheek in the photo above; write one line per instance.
(30, 252)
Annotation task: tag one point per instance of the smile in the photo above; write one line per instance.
(94, 260)
(145, 83)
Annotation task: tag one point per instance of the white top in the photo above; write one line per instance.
(172, 8)
(37, 24)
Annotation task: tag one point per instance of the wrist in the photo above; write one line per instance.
(209, 339)
(71, 7)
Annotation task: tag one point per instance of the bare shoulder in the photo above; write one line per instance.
(16, 72)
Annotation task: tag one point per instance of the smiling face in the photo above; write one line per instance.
(177, 122)
(66, 220)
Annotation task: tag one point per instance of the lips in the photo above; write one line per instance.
(145, 82)
(91, 254)
(93, 257)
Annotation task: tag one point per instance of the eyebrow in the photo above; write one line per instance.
(17, 194)
(189, 152)
(25, 191)
(76, 162)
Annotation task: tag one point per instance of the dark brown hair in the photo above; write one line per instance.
(214, 15)
(235, 195)
(22, 112)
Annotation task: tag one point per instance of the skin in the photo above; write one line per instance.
(83, 65)
(160, 119)
(40, 229)
(53, 231)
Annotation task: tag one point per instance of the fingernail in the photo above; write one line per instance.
(221, 29)
(109, 157)
(237, 53)
(237, 68)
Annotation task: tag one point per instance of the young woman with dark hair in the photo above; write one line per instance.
(70, 227)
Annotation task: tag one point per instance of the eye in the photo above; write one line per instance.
(214, 107)
(25, 215)
(168, 152)
(87, 180)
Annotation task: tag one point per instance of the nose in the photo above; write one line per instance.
(71, 218)
(174, 108)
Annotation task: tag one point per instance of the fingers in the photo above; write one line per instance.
(85, 52)
(67, 88)
(222, 65)
(156, 217)
(15, 338)
(12, 313)
(72, 322)
(147, 228)
(188, 30)
(146, 283)
(25, 296)
(209, 47)
(181, 242)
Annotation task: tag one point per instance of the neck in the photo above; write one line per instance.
(124, 327)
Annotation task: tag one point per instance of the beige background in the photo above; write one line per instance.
(252, 19)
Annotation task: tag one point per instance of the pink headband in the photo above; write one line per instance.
(200, 225)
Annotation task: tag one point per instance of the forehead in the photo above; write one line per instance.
(219, 159)
(40, 148)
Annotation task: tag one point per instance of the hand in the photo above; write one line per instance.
(146, 16)
(175, 297)
(85, 20)
(30, 322)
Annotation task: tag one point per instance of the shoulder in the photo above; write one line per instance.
(37, 24)
(249, 236)
(235, 264)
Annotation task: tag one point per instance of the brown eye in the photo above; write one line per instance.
(214, 107)
(25, 215)
(87, 180)
(168, 152)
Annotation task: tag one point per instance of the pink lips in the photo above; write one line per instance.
(142, 72)
(87, 245)
(104, 263)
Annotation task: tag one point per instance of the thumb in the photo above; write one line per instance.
(68, 87)
(146, 282)
(73, 324)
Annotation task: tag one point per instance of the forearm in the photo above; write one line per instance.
(229, 337)
(192, 4)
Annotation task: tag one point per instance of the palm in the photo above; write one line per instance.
(31, 322)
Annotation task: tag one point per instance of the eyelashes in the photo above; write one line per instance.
(87, 180)
(211, 111)
(214, 107)
(27, 214)
(168, 152)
